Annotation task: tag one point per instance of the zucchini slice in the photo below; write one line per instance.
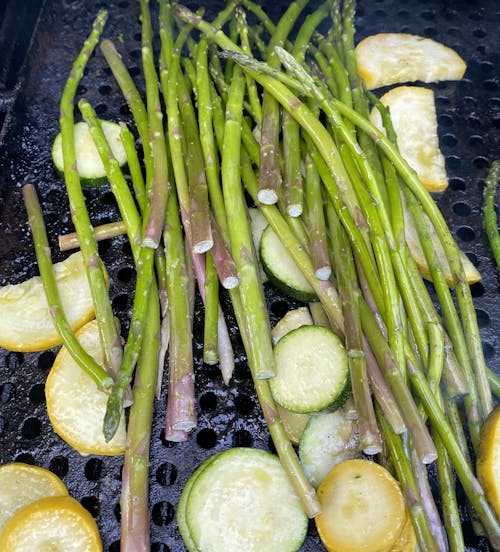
(89, 164)
(181, 505)
(328, 439)
(312, 372)
(281, 269)
(243, 500)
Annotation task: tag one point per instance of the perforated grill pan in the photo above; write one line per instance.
(38, 42)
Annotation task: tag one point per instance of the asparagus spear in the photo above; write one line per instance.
(108, 332)
(42, 250)
(489, 213)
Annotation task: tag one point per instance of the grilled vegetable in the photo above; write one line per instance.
(312, 372)
(257, 509)
(59, 522)
(363, 509)
(328, 439)
(89, 164)
(21, 484)
(391, 58)
(281, 269)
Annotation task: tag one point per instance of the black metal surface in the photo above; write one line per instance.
(469, 121)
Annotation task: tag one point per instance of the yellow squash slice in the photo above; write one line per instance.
(26, 324)
(58, 524)
(471, 273)
(488, 459)
(363, 509)
(391, 58)
(22, 483)
(413, 114)
(75, 405)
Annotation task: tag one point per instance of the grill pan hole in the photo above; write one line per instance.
(206, 438)
(166, 474)
(479, 33)
(457, 183)
(163, 513)
(25, 457)
(279, 308)
(118, 512)
(449, 140)
(466, 233)
(59, 466)
(453, 162)
(462, 209)
(488, 350)
(244, 404)
(477, 289)
(242, 438)
(93, 469)
(481, 162)
(37, 394)
(483, 318)
(208, 401)
(101, 109)
(473, 259)
(125, 274)
(121, 302)
(446, 120)
(115, 546)
(105, 90)
(31, 428)
(476, 141)
(92, 504)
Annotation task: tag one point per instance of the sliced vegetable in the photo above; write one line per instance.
(407, 540)
(243, 500)
(328, 439)
(88, 160)
(292, 320)
(312, 371)
(75, 405)
(281, 269)
(181, 505)
(293, 422)
(391, 58)
(488, 459)
(58, 524)
(413, 115)
(26, 324)
(258, 224)
(363, 509)
(413, 241)
(22, 483)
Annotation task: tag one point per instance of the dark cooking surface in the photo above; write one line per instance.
(469, 119)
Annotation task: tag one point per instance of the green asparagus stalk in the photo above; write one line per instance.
(181, 413)
(144, 259)
(489, 213)
(210, 329)
(270, 178)
(349, 295)
(134, 498)
(251, 312)
(108, 332)
(42, 250)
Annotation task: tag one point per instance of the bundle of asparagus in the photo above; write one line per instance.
(253, 114)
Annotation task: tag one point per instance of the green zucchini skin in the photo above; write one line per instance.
(241, 499)
(281, 270)
(312, 371)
